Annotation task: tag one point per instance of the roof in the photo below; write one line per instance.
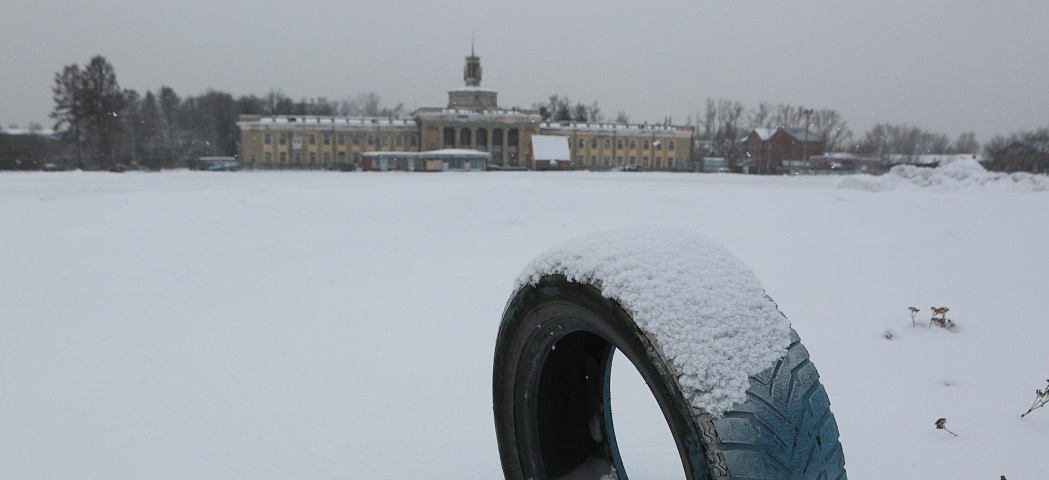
(323, 120)
(550, 148)
(682, 130)
(764, 133)
(41, 132)
(931, 158)
(799, 134)
(517, 113)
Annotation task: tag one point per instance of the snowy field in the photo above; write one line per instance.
(287, 325)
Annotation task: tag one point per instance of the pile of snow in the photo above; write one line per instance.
(958, 174)
(703, 306)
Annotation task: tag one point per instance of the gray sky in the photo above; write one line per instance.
(947, 66)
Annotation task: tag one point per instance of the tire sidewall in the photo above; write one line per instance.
(535, 318)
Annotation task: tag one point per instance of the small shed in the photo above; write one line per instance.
(387, 161)
(550, 152)
(430, 161)
(453, 159)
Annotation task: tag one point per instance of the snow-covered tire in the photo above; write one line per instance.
(551, 398)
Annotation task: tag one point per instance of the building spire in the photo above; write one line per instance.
(472, 72)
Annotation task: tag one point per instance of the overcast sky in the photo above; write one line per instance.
(947, 66)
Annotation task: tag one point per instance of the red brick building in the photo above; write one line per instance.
(779, 150)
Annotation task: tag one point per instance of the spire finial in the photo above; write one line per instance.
(472, 72)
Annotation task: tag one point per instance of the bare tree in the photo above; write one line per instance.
(368, 105)
(1023, 151)
(888, 139)
(722, 126)
(833, 128)
(594, 112)
(966, 143)
(761, 117)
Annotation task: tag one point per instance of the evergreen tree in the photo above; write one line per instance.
(104, 101)
(69, 108)
(150, 131)
(169, 106)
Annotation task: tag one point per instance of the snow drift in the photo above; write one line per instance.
(955, 175)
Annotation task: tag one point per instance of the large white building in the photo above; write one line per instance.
(471, 120)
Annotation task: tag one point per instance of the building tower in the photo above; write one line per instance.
(472, 97)
(472, 72)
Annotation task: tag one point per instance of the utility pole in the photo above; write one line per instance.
(805, 146)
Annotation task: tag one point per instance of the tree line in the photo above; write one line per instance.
(104, 124)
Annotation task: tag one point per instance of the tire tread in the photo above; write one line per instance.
(794, 435)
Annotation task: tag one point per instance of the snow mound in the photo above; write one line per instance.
(955, 175)
(699, 303)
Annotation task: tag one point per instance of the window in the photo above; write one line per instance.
(283, 157)
(633, 145)
(415, 141)
(633, 160)
(608, 143)
(342, 140)
(449, 137)
(342, 157)
(269, 157)
(384, 140)
(579, 159)
(671, 146)
(593, 143)
(619, 144)
(645, 147)
(511, 138)
(313, 139)
(400, 140)
(659, 162)
(327, 139)
(482, 137)
(327, 158)
(356, 140)
(580, 143)
(619, 160)
(497, 137)
(313, 158)
(608, 161)
(371, 140)
(644, 162)
(356, 158)
(266, 139)
(282, 140)
(298, 158)
(670, 162)
(659, 145)
(465, 137)
(593, 160)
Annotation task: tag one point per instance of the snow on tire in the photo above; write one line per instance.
(685, 312)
